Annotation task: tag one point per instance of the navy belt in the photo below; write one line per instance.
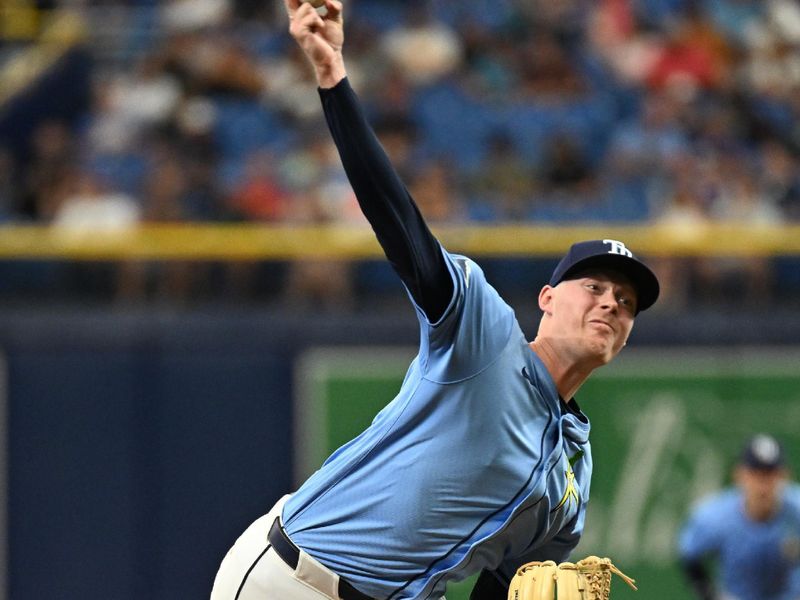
(290, 554)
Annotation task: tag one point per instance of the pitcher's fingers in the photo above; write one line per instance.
(306, 11)
(334, 10)
(291, 6)
(305, 18)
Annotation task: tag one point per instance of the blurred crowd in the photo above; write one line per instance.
(542, 111)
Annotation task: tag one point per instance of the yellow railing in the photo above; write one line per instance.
(269, 242)
(61, 30)
(19, 20)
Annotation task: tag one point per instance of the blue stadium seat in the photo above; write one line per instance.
(125, 171)
(243, 126)
(382, 14)
(454, 125)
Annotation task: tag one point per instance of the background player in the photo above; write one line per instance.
(482, 461)
(752, 531)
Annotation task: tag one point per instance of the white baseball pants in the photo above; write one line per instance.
(252, 570)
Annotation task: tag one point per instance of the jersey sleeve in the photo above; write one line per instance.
(464, 322)
(701, 534)
(791, 495)
(407, 242)
(475, 328)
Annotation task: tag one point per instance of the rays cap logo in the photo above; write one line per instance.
(613, 255)
(763, 452)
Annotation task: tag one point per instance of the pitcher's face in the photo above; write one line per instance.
(594, 312)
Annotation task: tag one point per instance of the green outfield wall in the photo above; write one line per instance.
(666, 428)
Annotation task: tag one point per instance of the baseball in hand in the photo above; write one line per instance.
(315, 3)
(319, 6)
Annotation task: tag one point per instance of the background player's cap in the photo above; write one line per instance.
(763, 452)
(613, 254)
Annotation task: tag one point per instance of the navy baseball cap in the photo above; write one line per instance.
(611, 254)
(762, 452)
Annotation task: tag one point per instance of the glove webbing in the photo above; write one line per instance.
(598, 574)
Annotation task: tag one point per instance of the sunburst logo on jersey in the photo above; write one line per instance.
(571, 493)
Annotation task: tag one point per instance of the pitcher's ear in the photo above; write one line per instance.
(546, 299)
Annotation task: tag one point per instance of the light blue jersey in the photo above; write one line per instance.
(756, 561)
(475, 464)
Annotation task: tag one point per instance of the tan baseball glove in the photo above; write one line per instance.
(587, 579)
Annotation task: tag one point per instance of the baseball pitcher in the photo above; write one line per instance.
(482, 462)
